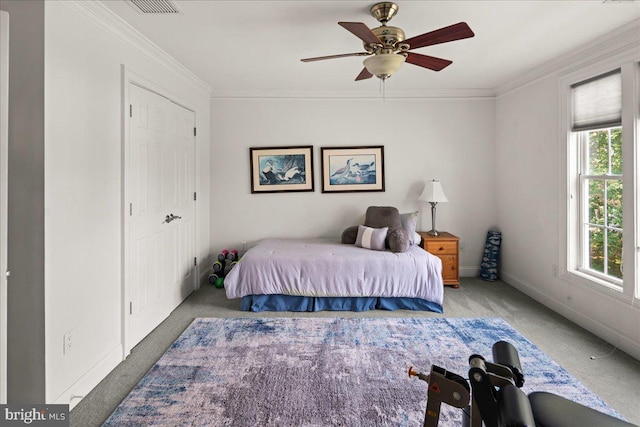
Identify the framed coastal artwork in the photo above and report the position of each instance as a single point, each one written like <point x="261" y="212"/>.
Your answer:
<point x="350" y="169"/>
<point x="281" y="169"/>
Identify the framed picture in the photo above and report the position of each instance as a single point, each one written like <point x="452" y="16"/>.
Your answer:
<point x="279" y="169"/>
<point x="348" y="169"/>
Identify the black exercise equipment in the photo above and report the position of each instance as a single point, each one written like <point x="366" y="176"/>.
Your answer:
<point x="492" y="396"/>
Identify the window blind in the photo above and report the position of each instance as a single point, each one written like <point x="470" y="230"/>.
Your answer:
<point x="597" y="102"/>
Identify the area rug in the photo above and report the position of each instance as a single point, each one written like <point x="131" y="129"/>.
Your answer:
<point x="323" y="372"/>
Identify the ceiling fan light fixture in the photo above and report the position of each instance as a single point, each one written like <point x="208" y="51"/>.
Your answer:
<point x="383" y="65"/>
<point x="390" y="48"/>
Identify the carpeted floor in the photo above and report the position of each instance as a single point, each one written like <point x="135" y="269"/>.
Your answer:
<point x="323" y="371"/>
<point x="613" y="376"/>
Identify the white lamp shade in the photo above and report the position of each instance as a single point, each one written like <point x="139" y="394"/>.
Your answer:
<point x="433" y="193"/>
<point x="384" y="64"/>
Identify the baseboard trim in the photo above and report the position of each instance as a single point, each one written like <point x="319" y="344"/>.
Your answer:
<point x="599" y="329"/>
<point x="79" y="389"/>
<point x="203" y="279"/>
<point x="469" y="271"/>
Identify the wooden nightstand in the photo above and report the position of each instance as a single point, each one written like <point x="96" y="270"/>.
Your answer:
<point x="445" y="247"/>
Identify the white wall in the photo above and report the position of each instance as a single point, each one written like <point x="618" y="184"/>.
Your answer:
<point x="83" y="187"/>
<point x="424" y="139"/>
<point x="529" y="188"/>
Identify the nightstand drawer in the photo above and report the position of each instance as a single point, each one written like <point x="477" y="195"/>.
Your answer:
<point x="441" y="248"/>
<point x="449" y="269"/>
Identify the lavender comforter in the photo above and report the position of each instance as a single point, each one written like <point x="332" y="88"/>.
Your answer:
<point x="327" y="268"/>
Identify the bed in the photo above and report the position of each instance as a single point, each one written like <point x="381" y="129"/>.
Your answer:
<point x="323" y="274"/>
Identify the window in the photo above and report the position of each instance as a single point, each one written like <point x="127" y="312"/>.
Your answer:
<point x="602" y="210"/>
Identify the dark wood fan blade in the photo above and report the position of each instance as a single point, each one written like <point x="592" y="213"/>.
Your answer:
<point x="361" y="31"/>
<point x="343" y="55"/>
<point x="430" y="62"/>
<point x="446" y="34"/>
<point x="364" y="74"/>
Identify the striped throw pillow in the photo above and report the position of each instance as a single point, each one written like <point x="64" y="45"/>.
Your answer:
<point x="371" y="238"/>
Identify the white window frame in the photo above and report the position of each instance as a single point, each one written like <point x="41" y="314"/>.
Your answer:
<point x="581" y="140"/>
<point x="570" y="224"/>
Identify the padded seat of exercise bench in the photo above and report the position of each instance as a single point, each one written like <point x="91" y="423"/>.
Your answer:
<point x="550" y="410"/>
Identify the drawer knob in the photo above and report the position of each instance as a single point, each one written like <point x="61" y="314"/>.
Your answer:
<point x="441" y="248"/>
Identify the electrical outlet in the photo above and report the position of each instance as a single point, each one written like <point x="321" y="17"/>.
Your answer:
<point x="461" y="247"/>
<point x="554" y="270"/>
<point x="244" y="246"/>
<point x="68" y="342"/>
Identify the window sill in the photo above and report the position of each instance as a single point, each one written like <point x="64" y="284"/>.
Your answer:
<point x="615" y="291"/>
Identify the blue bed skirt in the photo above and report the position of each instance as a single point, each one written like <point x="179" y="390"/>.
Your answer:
<point x="299" y="303"/>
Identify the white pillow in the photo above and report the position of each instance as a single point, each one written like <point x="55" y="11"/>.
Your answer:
<point x="371" y="238"/>
<point x="416" y="239"/>
<point x="409" y="222"/>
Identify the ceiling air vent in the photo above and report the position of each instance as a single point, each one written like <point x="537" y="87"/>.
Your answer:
<point x="156" y="7"/>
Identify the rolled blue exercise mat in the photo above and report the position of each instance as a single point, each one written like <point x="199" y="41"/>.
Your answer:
<point x="489" y="264"/>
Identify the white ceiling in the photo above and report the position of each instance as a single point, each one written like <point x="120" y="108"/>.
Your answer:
<point x="253" y="48"/>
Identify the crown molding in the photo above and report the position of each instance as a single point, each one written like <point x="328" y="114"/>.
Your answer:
<point x="623" y="40"/>
<point x="461" y="94"/>
<point x="102" y="17"/>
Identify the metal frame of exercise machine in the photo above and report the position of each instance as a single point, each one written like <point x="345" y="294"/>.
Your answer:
<point x="492" y="395"/>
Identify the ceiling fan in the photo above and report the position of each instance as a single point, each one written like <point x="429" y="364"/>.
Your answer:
<point x="387" y="48"/>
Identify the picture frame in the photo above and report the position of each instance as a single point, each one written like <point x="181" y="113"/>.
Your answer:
<point x="352" y="169"/>
<point x="281" y="169"/>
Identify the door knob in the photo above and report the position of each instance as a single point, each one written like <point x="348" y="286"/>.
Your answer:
<point x="171" y="217"/>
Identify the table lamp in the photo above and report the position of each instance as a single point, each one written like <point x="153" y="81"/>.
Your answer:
<point x="433" y="194"/>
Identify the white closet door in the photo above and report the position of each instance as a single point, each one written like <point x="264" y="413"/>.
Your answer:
<point x="161" y="271"/>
